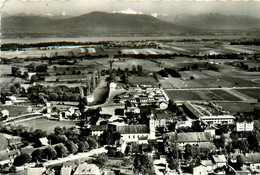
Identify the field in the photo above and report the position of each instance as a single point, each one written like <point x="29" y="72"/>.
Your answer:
<point x="15" y="110"/>
<point x="254" y="93"/>
<point x="208" y="95"/>
<point x="142" y="80"/>
<point x="238" y="106"/>
<point x="47" y="125"/>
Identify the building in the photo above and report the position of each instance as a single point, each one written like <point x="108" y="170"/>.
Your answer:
<point x="183" y="124"/>
<point x="208" y="112"/>
<point x="97" y="130"/>
<point x="251" y="161"/>
<point x="218" y="119"/>
<point x="132" y="133"/>
<point x="192" y="138"/>
<point x="87" y="169"/>
<point x="208" y="164"/>
<point x="4" y="113"/>
<point x="219" y="161"/>
<point x="200" y="170"/>
<point x="245" y="124"/>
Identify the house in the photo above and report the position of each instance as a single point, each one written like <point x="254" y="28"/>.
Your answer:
<point x="245" y="124"/>
<point x="87" y="169"/>
<point x="65" y="171"/>
<point x="208" y="164"/>
<point x="97" y="130"/>
<point x="210" y="130"/>
<point x="44" y="141"/>
<point x="251" y="161"/>
<point x="200" y="170"/>
<point x="132" y="133"/>
<point x="219" y="160"/>
<point x="183" y="124"/>
<point x="192" y="138"/>
<point x="4" y="113"/>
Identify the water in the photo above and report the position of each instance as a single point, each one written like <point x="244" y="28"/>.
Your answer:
<point x="96" y="39"/>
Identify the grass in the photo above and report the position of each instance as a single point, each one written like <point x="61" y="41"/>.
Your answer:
<point x="47" y="125"/>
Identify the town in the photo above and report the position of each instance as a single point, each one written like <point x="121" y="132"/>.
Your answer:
<point x="144" y="108"/>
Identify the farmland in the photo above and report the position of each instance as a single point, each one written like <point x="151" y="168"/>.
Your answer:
<point x="200" y="95"/>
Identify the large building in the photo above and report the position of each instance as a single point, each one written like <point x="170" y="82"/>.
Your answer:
<point x="192" y="138"/>
<point x="208" y="112"/>
<point x="245" y="124"/>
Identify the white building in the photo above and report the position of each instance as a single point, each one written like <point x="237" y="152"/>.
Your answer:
<point x="245" y="124"/>
<point x="218" y="119"/>
<point x="87" y="169"/>
<point x="219" y="160"/>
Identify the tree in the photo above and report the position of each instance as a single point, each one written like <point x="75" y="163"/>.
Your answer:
<point x="173" y="163"/>
<point x="61" y="150"/>
<point x="22" y="159"/>
<point x="36" y="155"/>
<point x="16" y="71"/>
<point x="253" y="142"/>
<point x="140" y="69"/>
<point x="49" y="153"/>
<point x="12" y="169"/>
<point x="58" y="130"/>
<point x="72" y="147"/>
<point x="143" y="165"/>
<point x="83" y="146"/>
<point x="93" y="144"/>
<point x="102" y="159"/>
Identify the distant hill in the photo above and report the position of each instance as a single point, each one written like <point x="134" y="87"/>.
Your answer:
<point x="91" y="24"/>
<point x="214" y="21"/>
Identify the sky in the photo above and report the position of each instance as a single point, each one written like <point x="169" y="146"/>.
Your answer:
<point x="167" y="7"/>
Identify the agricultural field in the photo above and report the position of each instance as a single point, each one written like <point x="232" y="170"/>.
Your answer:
<point x="47" y="125"/>
<point x="142" y="80"/>
<point x="235" y="107"/>
<point x="254" y="93"/>
<point x="207" y="95"/>
<point x="15" y="110"/>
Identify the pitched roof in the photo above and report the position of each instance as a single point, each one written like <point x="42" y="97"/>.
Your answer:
<point x="191" y="137"/>
<point x="251" y="158"/>
<point x="207" y="163"/>
<point x="246" y="119"/>
<point x="98" y="127"/>
<point x="219" y="158"/>
<point x="132" y="129"/>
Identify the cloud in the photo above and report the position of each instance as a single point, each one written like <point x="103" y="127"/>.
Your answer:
<point x="129" y="11"/>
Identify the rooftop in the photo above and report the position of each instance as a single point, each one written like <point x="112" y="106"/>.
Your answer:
<point x="132" y="129"/>
<point x="99" y="127"/>
<point x="191" y="137"/>
<point x="246" y="119"/>
<point x="219" y="158"/>
<point x="251" y="158"/>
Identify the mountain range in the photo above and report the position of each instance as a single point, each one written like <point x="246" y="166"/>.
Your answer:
<point x="103" y="23"/>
